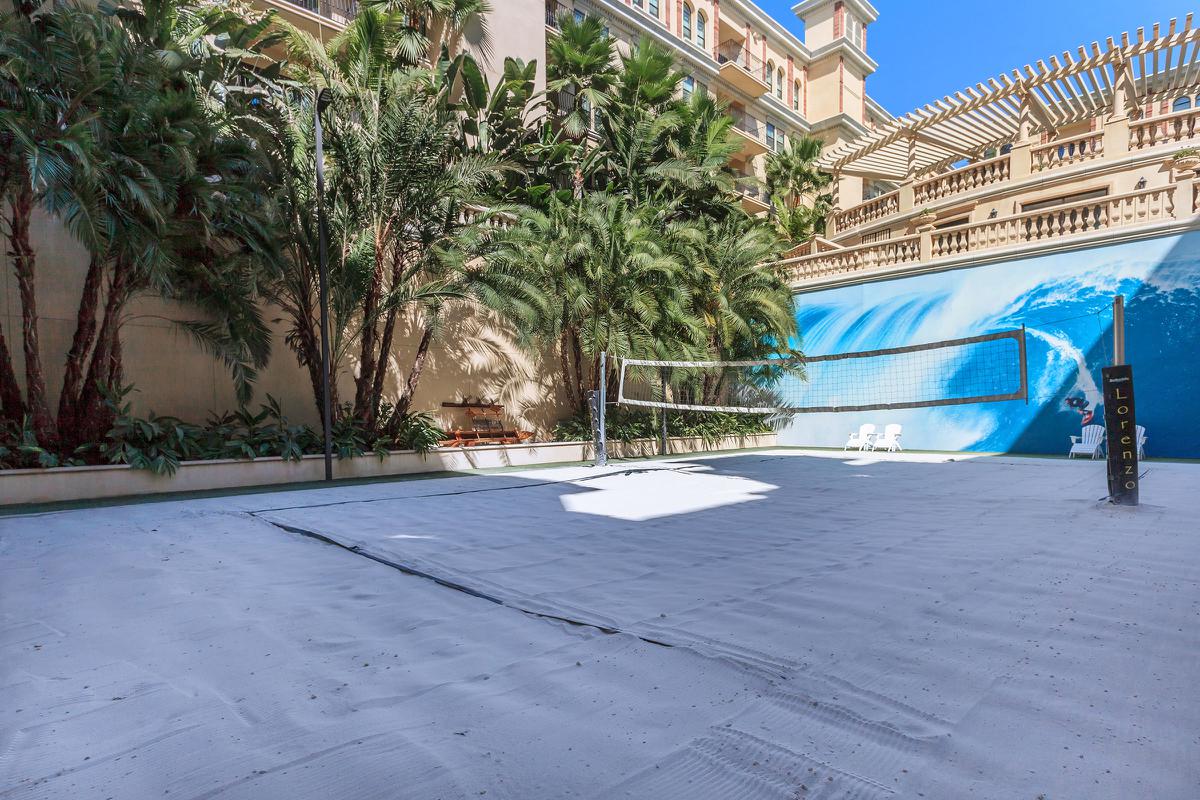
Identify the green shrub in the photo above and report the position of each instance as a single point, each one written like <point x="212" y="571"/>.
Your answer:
<point x="160" y="443"/>
<point x="627" y="424"/>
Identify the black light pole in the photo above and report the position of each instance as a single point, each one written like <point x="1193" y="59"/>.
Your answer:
<point x="324" y="98"/>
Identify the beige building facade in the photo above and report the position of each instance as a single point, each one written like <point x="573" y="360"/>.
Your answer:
<point x="776" y="85"/>
<point x="1093" y="145"/>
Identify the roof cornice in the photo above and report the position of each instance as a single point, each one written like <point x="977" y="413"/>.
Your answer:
<point x="865" y="10"/>
<point x="767" y="21"/>
<point x="844" y="47"/>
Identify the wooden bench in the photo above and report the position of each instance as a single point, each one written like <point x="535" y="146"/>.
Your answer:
<point x="487" y="427"/>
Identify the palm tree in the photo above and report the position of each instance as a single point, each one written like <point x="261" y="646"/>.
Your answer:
<point x="797" y="187"/>
<point x="107" y="128"/>
<point x="613" y="282"/>
<point x="580" y="78"/>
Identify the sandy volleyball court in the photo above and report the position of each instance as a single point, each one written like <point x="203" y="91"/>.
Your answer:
<point x="761" y="625"/>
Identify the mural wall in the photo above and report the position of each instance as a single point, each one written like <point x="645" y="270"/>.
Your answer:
<point x="1065" y="302"/>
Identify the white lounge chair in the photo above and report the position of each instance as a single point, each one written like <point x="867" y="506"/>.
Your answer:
<point x="1088" y="443"/>
<point x="890" y="440"/>
<point x="863" y="440"/>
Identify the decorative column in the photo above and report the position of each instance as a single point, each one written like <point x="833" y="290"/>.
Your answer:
<point x="791" y="83"/>
<point x="804" y="92"/>
<point x="1020" y="158"/>
<point x="1116" y="124"/>
<point x="907" y="197"/>
<point x="716" y="30"/>
<point x="679" y="18"/>
<point x="841" y="84"/>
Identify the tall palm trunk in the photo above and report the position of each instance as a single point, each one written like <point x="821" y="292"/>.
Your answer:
<point x="93" y="420"/>
<point x="577" y="357"/>
<point x="12" y="407"/>
<point x="385" y="348"/>
<point x="414" y="374"/>
<point x="368" y="358"/>
<point x="564" y="347"/>
<point x="24" y="265"/>
<point x="81" y="344"/>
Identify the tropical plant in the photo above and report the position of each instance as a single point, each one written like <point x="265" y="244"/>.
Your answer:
<point x="119" y="131"/>
<point x="797" y="188"/>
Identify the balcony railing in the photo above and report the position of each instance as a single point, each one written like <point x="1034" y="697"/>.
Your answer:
<point x="964" y="179"/>
<point x="864" y="258"/>
<point x="734" y="53"/>
<point x="1066" y="152"/>
<point x="750" y="187"/>
<point x="340" y="10"/>
<point x="1141" y="207"/>
<point x="1178" y="127"/>
<point x="747" y="124"/>
<point x="876" y="208"/>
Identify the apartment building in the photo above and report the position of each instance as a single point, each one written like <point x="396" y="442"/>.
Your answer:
<point x="1090" y="146"/>
<point x="776" y="85"/>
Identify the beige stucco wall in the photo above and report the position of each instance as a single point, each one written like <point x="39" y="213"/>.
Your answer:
<point x="477" y="354"/>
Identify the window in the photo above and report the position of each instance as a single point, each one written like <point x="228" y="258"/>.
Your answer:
<point x="771" y="137"/>
<point x="701" y="24"/>
<point x="689" y="86"/>
<point x="654" y="8"/>
<point x="579" y="15"/>
<point x="1181" y="104"/>
<point x="637" y="3"/>
<point x="854" y="29"/>
<point x="687" y="22"/>
<point x="779" y="84"/>
<point x="795" y="95"/>
<point x="770" y="75"/>
<point x="1038" y="205"/>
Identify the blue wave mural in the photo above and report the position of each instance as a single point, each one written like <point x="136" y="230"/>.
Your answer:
<point x="1064" y="300"/>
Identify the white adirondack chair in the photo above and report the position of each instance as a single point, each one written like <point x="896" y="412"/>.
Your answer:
<point x="890" y="440"/>
<point x="1088" y="443"/>
<point x="863" y="439"/>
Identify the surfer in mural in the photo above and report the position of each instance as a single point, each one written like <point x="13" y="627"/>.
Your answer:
<point x="1082" y="406"/>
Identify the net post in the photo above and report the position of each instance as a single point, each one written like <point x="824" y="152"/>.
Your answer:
<point x="1024" y="365"/>
<point x="664" y="374"/>
<point x="601" y="403"/>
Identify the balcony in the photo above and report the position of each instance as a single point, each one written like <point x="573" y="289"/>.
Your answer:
<point x="741" y="69"/>
<point x="318" y="17"/>
<point x="753" y="196"/>
<point x="1094" y="218"/>
<point x="749" y="132"/>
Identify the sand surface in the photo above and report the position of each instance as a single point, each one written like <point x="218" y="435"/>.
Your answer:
<point x="763" y="625"/>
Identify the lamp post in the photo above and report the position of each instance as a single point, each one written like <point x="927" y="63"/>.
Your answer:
<point x="324" y="98"/>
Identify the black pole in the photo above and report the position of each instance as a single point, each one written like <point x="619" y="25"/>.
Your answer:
<point x="324" y="97"/>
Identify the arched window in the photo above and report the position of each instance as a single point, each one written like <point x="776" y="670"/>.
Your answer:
<point x="701" y="24"/>
<point x="687" y="22"/>
<point x="1181" y="104"/>
<point x="779" y="83"/>
<point x="795" y="95"/>
<point x="770" y="75"/>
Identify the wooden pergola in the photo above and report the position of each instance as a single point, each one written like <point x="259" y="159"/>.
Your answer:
<point x="1117" y="79"/>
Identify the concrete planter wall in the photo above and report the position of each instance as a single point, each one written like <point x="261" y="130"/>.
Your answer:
<point x="20" y="486"/>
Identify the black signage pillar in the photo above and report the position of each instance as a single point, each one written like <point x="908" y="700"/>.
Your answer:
<point x="1121" y="433"/>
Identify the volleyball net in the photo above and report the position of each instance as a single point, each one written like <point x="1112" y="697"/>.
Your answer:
<point x="976" y="369"/>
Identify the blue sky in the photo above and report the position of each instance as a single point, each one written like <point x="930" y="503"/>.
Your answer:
<point x="927" y="49"/>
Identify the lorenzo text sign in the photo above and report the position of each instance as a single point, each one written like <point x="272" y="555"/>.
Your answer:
<point x="1121" y="433"/>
